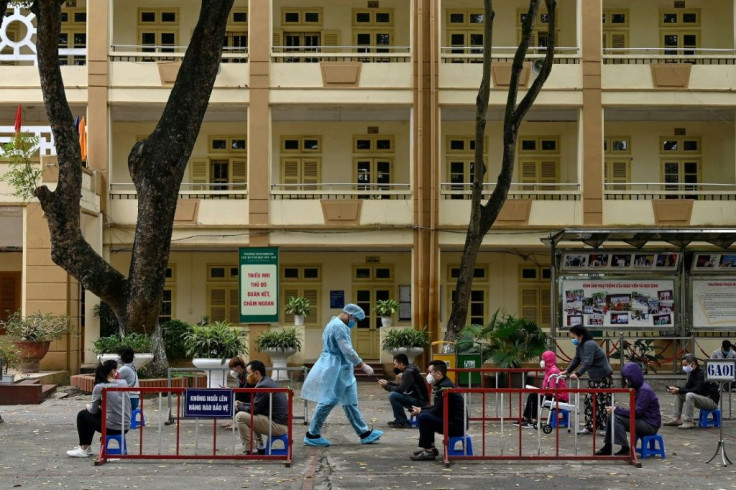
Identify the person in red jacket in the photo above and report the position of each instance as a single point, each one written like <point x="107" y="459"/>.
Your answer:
<point x="549" y="364"/>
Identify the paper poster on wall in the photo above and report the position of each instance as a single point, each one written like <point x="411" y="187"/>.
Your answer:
<point x="618" y="303"/>
<point x="259" y="284"/>
<point x="714" y="302"/>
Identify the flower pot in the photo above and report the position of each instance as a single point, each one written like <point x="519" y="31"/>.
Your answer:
<point x="278" y="363"/>
<point x="139" y="360"/>
<point x="411" y="352"/>
<point x="216" y="370"/>
<point x="386" y="321"/>
<point x="108" y="356"/>
<point x="32" y="353"/>
<point x="298" y="320"/>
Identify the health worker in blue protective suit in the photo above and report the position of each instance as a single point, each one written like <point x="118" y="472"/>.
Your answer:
<point x="331" y="381"/>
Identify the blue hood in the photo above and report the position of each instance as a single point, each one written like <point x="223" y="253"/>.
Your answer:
<point x="633" y="371"/>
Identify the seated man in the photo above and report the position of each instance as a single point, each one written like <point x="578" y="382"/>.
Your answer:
<point x="646" y="413"/>
<point x="257" y="415"/>
<point x="430" y="419"/>
<point x="410" y="391"/>
<point x="697" y="393"/>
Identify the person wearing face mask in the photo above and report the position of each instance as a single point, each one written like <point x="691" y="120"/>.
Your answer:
<point x="242" y="400"/>
<point x="696" y="393"/>
<point x="430" y="419"/>
<point x="646" y="413"/>
<point x="592" y="359"/>
<point x="410" y="391"/>
<point x="549" y="364"/>
<point x="263" y="404"/>
<point x="331" y="381"/>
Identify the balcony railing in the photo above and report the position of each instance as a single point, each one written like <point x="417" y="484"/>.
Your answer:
<point x="536" y="191"/>
<point x="188" y="190"/>
<point x="649" y="56"/>
<point x="365" y="54"/>
<point x="505" y="54"/>
<point x="634" y="191"/>
<point x="138" y="52"/>
<point x="341" y="191"/>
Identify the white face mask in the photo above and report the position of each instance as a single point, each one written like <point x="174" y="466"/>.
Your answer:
<point x="541" y="364"/>
<point x="430" y="378"/>
<point x="687" y="369"/>
<point x="234" y="374"/>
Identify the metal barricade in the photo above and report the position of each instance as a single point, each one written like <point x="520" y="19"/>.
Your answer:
<point x="174" y="444"/>
<point x="486" y="436"/>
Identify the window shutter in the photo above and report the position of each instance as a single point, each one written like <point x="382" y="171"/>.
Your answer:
<point x="198" y="169"/>
<point x="286" y="293"/>
<point x="619" y="171"/>
<point x="528" y="172"/>
<point x="548" y="172"/>
<point x="290" y="171"/>
<point x="238" y="172"/>
<point x="276" y="41"/>
<point x="312" y="294"/>
<point x="218" y="304"/>
<point x="619" y="40"/>
<point x="310" y="171"/>
<point x="330" y="38"/>
<point x="234" y="305"/>
<point x="545" y="313"/>
<point x="530" y="303"/>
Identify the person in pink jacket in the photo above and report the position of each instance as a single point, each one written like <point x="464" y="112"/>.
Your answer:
<point x="549" y="364"/>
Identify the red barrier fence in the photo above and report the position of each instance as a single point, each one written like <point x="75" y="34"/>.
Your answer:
<point x="560" y="439"/>
<point x="172" y="442"/>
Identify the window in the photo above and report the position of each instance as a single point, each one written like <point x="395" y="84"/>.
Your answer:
<point x="534" y="294"/>
<point x="373" y="30"/>
<point x="226" y="167"/>
<point x="158" y="30"/>
<point x="679" y="31"/>
<point x="223" y="301"/>
<point x="465" y="32"/>
<point x="616" y="30"/>
<point x="301" y="162"/>
<point x="460" y="164"/>
<point x="73" y="34"/>
<point x="236" y="35"/>
<point x="539" y="31"/>
<point x="539" y="162"/>
<point x="372" y="282"/>
<point x="680" y="164"/>
<point x="373" y="157"/>
<point x="303" y="280"/>
<point x="478" y="296"/>
<point x="302" y="33"/>
<point x="167" y="304"/>
<point x="617" y="159"/>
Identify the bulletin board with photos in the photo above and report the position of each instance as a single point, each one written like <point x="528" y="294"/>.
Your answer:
<point x="619" y="260"/>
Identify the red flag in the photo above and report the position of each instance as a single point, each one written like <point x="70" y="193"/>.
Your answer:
<point x="83" y="139"/>
<point x="18" y="114"/>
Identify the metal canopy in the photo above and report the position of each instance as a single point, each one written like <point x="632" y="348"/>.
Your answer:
<point x="639" y="237"/>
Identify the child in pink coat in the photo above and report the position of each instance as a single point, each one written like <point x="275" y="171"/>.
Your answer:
<point x="549" y="364"/>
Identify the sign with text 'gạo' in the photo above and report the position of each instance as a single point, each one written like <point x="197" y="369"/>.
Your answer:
<point x="720" y="369"/>
<point x="208" y="403"/>
<point x="259" y="285"/>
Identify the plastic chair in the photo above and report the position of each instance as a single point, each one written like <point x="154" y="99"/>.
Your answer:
<point x="413" y="421"/>
<point x="137" y="419"/>
<point x="707" y="421"/>
<point x="277" y="451"/>
<point x="466" y="444"/>
<point x="120" y="448"/>
<point x="648" y="446"/>
<point x="561" y="420"/>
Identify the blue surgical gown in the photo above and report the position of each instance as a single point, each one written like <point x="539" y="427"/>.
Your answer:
<point x="331" y="381"/>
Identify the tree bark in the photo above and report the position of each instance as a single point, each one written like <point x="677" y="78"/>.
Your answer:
<point x="482" y="216"/>
<point x="156" y="165"/>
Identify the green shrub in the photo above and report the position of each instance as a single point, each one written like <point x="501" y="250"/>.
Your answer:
<point x="283" y="339"/>
<point x="137" y="341"/>
<point x="216" y="341"/>
<point x="108" y="320"/>
<point x="174" y="332"/>
<point x="405" y="337"/>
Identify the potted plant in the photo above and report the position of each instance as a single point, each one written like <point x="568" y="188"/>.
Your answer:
<point x="299" y="307"/>
<point x="211" y="347"/>
<point x="385" y="308"/>
<point x="107" y="348"/>
<point x="409" y="341"/>
<point x="279" y="345"/>
<point x="33" y="335"/>
<point x="9" y="357"/>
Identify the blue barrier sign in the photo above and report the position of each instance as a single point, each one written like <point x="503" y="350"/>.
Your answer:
<point x="208" y="403"/>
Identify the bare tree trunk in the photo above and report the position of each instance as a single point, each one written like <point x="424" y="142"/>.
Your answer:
<point x="156" y="165"/>
<point x="482" y="216"/>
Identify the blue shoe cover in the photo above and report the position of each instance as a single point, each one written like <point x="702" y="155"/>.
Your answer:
<point x="373" y="437"/>
<point x="321" y="441"/>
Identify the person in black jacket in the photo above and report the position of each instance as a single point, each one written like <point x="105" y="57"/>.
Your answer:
<point x="430" y="419"/>
<point x="697" y="393"/>
<point x="410" y="391"/>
